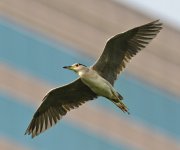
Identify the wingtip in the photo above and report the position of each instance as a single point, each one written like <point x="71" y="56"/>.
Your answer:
<point x="29" y="133"/>
<point x="26" y="132"/>
<point x="157" y="22"/>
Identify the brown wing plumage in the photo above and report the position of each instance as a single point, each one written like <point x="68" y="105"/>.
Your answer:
<point x="57" y="103"/>
<point x="122" y="47"/>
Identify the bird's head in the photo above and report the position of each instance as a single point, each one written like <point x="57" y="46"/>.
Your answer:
<point x="77" y="67"/>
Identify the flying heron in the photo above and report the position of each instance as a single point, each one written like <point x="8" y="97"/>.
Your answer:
<point x="94" y="81"/>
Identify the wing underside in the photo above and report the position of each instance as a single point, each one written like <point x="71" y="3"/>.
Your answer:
<point x="122" y="47"/>
<point x="57" y="103"/>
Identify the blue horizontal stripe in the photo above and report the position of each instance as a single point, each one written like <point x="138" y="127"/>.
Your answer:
<point x="43" y="60"/>
<point x="15" y="117"/>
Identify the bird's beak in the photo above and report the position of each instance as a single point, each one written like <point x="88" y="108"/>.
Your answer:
<point x="68" y="67"/>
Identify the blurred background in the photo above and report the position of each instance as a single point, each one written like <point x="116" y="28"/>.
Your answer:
<point x="39" y="37"/>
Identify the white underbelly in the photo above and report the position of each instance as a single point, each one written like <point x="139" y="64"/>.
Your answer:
<point x="99" y="86"/>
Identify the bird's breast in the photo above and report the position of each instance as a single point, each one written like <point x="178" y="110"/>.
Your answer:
<point x="98" y="85"/>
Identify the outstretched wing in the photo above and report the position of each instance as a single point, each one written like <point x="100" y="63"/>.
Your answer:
<point x="122" y="47"/>
<point x="56" y="104"/>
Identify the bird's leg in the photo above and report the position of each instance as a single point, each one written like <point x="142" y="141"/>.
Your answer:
<point x="120" y="104"/>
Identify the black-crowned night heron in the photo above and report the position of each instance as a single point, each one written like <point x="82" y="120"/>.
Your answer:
<point x="94" y="81"/>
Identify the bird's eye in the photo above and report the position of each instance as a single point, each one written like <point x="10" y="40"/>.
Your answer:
<point x="77" y="65"/>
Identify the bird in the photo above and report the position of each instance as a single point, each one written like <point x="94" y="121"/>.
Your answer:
<point x="94" y="81"/>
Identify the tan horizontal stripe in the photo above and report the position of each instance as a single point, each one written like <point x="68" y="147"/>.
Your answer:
<point x="7" y="144"/>
<point x="22" y="86"/>
<point x="97" y="120"/>
<point x="165" y="74"/>
<point x="87" y="25"/>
